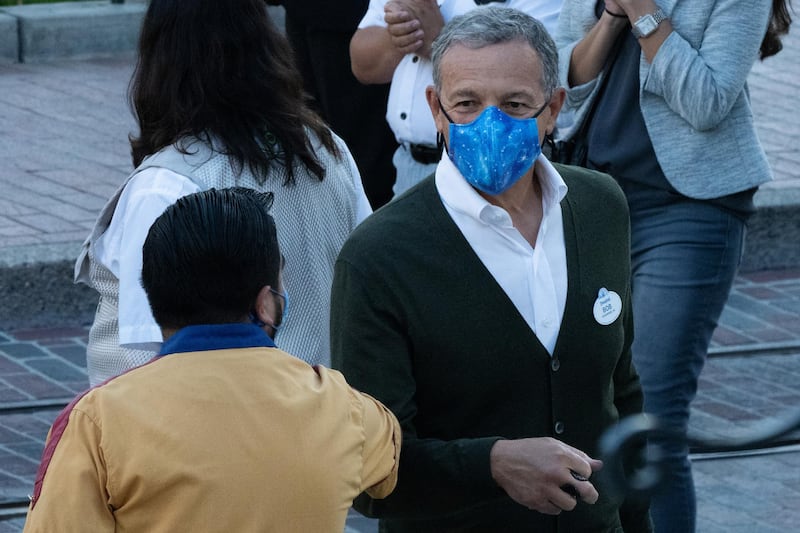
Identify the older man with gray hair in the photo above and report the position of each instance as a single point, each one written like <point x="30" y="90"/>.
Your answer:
<point x="489" y="308"/>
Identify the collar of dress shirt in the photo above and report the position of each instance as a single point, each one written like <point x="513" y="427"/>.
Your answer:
<point x="461" y="197"/>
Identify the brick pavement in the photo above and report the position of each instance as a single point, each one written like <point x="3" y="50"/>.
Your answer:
<point x="745" y="494"/>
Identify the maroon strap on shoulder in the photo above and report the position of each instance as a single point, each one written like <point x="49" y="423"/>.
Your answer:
<point x="56" y="433"/>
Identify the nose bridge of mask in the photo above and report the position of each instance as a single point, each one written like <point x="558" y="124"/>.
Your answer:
<point x="494" y="123"/>
<point x="499" y="125"/>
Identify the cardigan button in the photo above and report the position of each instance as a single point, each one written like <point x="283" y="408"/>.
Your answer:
<point x="555" y="364"/>
<point x="559" y="427"/>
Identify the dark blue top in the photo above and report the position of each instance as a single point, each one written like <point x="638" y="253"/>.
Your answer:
<point x="619" y="143"/>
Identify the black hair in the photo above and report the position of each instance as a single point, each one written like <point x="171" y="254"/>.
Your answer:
<point x="779" y="23"/>
<point x="220" y="70"/>
<point x="208" y="255"/>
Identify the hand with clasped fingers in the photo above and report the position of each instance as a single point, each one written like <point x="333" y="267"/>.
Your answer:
<point x="413" y="25"/>
<point x="544" y="474"/>
<point x="613" y="7"/>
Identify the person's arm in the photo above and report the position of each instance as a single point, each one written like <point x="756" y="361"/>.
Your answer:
<point x="381" y="452"/>
<point x="634" y="513"/>
<point x="590" y="55"/>
<point x="373" y="57"/>
<point x="426" y="13"/>
<point x="582" y="80"/>
<point x="533" y="471"/>
<point x="369" y="346"/>
<point x="635" y="9"/>
<point x="377" y="48"/>
<point x="71" y="494"/>
<point x="701" y="82"/>
<point x="410" y="27"/>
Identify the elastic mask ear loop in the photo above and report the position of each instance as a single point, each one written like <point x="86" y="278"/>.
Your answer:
<point x="440" y="143"/>
<point x="285" y="313"/>
<point x="255" y="320"/>
<point x="440" y="140"/>
<point x="443" y="111"/>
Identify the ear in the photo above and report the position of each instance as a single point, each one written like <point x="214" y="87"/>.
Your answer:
<point x="438" y="117"/>
<point x="264" y="306"/>
<point x="555" y="105"/>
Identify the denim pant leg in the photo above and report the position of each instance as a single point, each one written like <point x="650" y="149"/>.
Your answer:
<point x="684" y="259"/>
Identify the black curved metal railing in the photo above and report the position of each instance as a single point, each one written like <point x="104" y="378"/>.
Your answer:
<point x="632" y="459"/>
<point x="632" y="456"/>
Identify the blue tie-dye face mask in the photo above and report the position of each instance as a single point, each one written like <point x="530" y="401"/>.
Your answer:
<point x="495" y="150"/>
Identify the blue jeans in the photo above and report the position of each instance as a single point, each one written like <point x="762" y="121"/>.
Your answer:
<point x="684" y="259"/>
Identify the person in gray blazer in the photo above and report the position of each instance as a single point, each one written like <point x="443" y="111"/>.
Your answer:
<point x="663" y="85"/>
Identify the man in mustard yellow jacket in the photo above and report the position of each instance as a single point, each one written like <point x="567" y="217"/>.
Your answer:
<point x="222" y="431"/>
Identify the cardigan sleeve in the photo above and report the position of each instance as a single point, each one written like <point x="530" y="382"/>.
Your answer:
<point x="370" y="348"/>
<point x="634" y="513"/>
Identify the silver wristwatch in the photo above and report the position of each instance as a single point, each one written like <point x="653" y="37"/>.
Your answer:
<point x="647" y="24"/>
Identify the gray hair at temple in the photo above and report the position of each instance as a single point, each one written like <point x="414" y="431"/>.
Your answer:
<point x="484" y="26"/>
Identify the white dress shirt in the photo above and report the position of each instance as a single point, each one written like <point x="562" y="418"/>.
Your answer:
<point x="407" y="111"/>
<point x="119" y="249"/>
<point x="534" y="278"/>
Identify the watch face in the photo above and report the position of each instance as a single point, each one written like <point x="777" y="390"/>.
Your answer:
<point x="646" y="25"/>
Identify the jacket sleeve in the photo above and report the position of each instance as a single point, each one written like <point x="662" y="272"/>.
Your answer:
<point x="369" y="346"/>
<point x="72" y="496"/>
<point x="381" y="453"/>
<point x="701" y="83"/>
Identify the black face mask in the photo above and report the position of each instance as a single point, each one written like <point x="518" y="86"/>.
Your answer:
<point x="484" y="2"/>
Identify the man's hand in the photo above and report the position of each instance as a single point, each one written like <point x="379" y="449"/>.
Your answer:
<point x="543" y="474"/>
<point x="403" y="26"/>
<point x="399" y="17"/>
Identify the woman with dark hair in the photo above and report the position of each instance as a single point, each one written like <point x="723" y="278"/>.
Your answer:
<point x="665" y="85"/>
<point x="219" y="104"/>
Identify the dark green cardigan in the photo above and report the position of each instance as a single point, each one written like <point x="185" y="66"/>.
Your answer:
<point x="418" y="322"/>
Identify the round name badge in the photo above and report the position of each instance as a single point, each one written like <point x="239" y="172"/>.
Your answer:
<point x="607" y="307"/>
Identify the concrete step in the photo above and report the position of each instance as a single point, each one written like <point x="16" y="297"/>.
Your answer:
<point x="87" y="29"/>
<point x="48" y="32"/>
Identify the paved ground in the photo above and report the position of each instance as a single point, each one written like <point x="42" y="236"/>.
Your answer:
<point x="63" y="150"/>
<point x="750" y="494"/>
